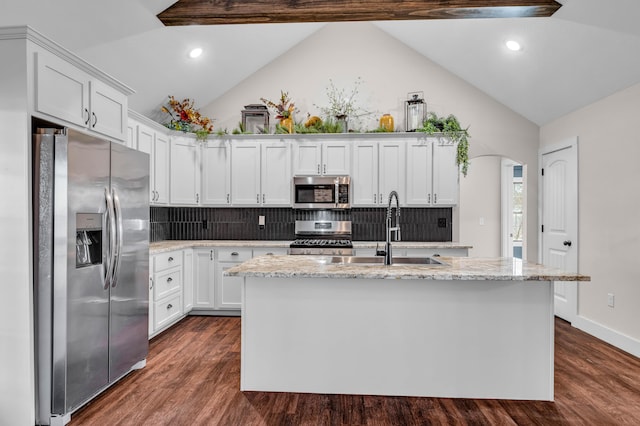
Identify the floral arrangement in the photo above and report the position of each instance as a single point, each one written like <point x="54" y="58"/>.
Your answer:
<point x="284" y="109"/>
<point x="186" y="118"/>
<point x="342" y="105"/>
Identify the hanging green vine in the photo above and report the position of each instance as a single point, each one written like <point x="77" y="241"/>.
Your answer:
<point x="450" y="127"/>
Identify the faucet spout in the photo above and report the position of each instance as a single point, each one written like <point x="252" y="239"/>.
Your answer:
<point x="392" y="229"/>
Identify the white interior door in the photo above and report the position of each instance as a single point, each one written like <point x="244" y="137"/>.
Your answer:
<point x="559" y="230"/>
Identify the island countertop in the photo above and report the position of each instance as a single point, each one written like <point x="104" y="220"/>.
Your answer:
<point x="454" y="268"/>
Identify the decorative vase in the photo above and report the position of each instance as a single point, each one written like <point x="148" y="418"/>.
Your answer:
<point x="386" y="122"/>
<point x="287" y="123"/>
<point x="341" y="120"/>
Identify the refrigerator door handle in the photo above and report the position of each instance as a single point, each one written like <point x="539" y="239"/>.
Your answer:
<point x="111" y="222"/>
<point x="118" y="252"/>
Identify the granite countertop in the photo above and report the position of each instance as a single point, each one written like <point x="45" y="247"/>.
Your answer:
<point x="456" y="268"/>
<point x="169" y="245"/>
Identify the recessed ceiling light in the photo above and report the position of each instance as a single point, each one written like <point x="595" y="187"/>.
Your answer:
<point x="513" y="45"/>
<point x="195" y="52"/>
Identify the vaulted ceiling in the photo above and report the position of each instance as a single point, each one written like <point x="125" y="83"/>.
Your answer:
<point x="587" y="50"/>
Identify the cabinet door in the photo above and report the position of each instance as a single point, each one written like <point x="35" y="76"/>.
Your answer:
<point x="419" y="173"/>
<point x="216" y="174"/>
<point x="184" y="171"/>
<point x="307" y="158"/>
<point x="364" y="179"/>
<point x="336" y="158"/>
<point x="445" y="173"/>
<point x="245" y="174"/>
<point x="62" y="90"/>
<point x="108" y="110"/>
<point x="203" y="279"/>
<point x="187" y="281"/>
<point x="145" y="140"/>
<point x="391" y="170"/>
<point x="276" y="174"/>
<point x="161" y="168"/>
<point x="229" y="294"/>
<point x="132" y="137"/>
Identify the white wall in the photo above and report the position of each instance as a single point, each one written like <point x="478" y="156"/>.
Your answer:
<point x="16" y="314"/>
<point x="609" y="207"/>
<point x="389" y="70"/>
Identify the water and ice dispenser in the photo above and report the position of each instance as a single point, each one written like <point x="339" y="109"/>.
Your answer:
<point x="88" y="239"/>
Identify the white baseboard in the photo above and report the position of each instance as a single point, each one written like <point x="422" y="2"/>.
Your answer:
<point x="615" y="338"/>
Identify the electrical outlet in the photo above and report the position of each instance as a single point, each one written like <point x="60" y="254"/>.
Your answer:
<point x="610" y="300"/>
<point x="261" y="221"/>
<point x="481" y="221"/>
<point x="442" y="222"/>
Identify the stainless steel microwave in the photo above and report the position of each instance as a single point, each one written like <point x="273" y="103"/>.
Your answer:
<point x="321" y="192"/>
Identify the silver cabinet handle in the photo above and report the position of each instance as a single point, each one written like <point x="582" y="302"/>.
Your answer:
<point x="150" y="283"/>
<point x="380" y="198"/>
<point x="269" y="254"/>
<point x="375" y="198"/>
<point x="197" y="198"/>
<point x="95" y="119"/>
<point x="88" y="117"/>
<point x="169" y="306"/>
<point x="211" y="254"/>
<point x="235" y="253"/>
<point x="169" y="279"/>
<point x="318" y="168"/>
<point x="227" y="198"/>
<point x="435" y="198"/>
<point x="263" y="199"/>
<point x="428" y="198"/>
<point x="170" y="259"/>
<point x="258" y="198"/>
<point x="324" y="169"/>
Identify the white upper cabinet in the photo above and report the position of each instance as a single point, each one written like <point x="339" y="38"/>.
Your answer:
<point x="378" y="169"/>
<point x="446" y="173"/>
<point x="321" y="158"/>
<point x="245" y="174"/>
<point x="432" y="173"/>
<point x="419" y="172"/>
<point x="184" y="171"/>
<point x="260" y="174"/>
<point x="68" y="93"/>
<point x="276" y="179"/>
<point x="155" y="144"/>
<point x="216" y="173"/>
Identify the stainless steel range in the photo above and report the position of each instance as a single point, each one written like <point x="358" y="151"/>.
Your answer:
<point x="322" y="237"/>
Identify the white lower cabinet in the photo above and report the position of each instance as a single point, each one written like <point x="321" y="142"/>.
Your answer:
<point x="203" y="279"/>
<point x="187" y="280"/>
<point x="165" y="291"/>
<point x="228" y="289"/>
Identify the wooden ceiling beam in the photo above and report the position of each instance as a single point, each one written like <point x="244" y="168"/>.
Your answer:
<point x="218" y="12"/>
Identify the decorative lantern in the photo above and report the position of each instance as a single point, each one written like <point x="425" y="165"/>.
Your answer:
<point x="415" y="111"/>
<point x="255" y="118"/>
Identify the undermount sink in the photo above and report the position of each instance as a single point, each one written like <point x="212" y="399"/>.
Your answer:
<point x="379" y="260"/>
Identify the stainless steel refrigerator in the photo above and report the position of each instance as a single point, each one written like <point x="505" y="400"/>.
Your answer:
<point x="91" y="259"/>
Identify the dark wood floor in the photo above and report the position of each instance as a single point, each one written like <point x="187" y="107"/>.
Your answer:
<point x="193" y="378"/>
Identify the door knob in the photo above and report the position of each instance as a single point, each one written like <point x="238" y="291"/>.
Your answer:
<point x="567" y="243"/>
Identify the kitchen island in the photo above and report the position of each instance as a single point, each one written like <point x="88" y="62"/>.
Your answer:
<point x="471" y="328"/>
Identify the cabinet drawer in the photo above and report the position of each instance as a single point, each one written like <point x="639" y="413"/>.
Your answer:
<point x="234" y="255"/>
<point x="275" y="251"/>
<point x="168" y="311"/>
<point x="167" y="283"/>
<point x="167" y="260"/>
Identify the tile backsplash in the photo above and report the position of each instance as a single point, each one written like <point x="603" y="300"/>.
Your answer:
<point x="202" y="223"/>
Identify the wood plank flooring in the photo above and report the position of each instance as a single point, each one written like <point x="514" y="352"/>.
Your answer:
<point x="193" y="378"/>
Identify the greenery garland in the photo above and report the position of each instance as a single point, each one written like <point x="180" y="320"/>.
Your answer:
<point x="450" y="127"/>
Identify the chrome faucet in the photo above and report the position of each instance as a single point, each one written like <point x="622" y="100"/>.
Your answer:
<point x="395" y="229"/>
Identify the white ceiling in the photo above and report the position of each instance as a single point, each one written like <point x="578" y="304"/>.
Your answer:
<point x="587" y="50"/>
